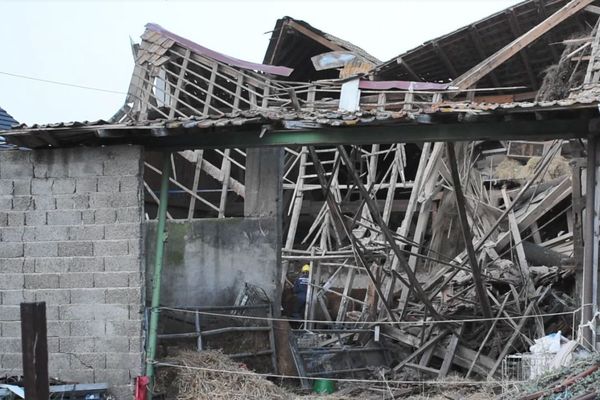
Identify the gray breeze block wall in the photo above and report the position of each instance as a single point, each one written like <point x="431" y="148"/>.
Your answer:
<point x="70" y="226"/>
<point x="208" y="261"/>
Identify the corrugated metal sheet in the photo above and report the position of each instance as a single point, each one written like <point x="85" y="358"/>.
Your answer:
<point x="6" y="121"/>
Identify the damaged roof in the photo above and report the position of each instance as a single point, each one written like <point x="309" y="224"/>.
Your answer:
<point x="6" y="120"/>
<point x="293" y="43"/>
<point x="447" y="57"/>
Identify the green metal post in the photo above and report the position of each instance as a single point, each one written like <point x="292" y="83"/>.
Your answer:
<point x="161" y="238"/>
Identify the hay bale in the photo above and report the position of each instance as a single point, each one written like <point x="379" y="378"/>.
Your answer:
<point x="195" y="384"/>
<point x="508" y="169"/>
<point x="559" y="166"/>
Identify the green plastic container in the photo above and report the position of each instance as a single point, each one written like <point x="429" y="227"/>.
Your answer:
<point x="323" y="386"/>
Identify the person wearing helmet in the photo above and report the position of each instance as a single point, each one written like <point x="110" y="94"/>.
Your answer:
<point x="300" y="289"/>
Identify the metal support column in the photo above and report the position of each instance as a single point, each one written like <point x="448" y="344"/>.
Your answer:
<point x="161" y="238"/>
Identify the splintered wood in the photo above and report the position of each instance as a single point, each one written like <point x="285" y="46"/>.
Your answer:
<point x="455" y="270"/>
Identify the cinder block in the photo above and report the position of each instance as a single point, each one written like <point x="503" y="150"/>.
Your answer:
<point x="123" y="164"/>
<point x="130" y="183"/>
<point x="41" y="249"/>
<point x="87" y="264"/>
<point x="122" y="263"/>
<point x="41" y="186"/>
<point x="29" y="266"/>
<point x="7" y="186"/>
<point x="16" y="297"/>
<point x="53" y="296"/>
<point x="11" y="281"/>
<point x="86" y="232"/>
<point x="76" y="280"/>
<point x="87" y="217"/>
<point x="131" y="328"/>
<point x="11" y="329"/>
<point x="3" y="219"/>
<point x="11" y="265"/>
<point x="35" y="218"/>
<point x="77" y="344"/>
<point x="123" y="296"/>
<point x="22" y="203"/>
<point x="10" y="313"/>
<point x="21" y="169"/>
<point x="108" y="184"/>
<point x="87" y="312"/>
<point x="6" y="202"/>
<point x="123" y="360"/>
<point x="88" y="360"/>
<point x="135" y="279"/>
<point x="20" y="187"/>
<point x="111" y="279"/>
<point x="58" y="328"/>
<point x="135" y="247"/>
<point x="75" y="375"/>
<point x="111" y="248"/>
<point x="51" y="233"/>
<point x="86" y="185"/>
<point x="93" y="167"/>
<point x="14" y="249"/>
<point x="105" y="216"/>
<point x="114" y="376"/>
<point x="112" y="344"/>
<point x="10" y="345"/>
<point x="87" y="296"/>
<point x="12" y="234"/>
<point x="64" y="217"/>
<point x="58" y="361"/>
<point x="50" y="164"/>
<point x="135" y="344"/>
<point x="16" y="218"/>
<point x="123" y="231"/>
<point x="70" y="202"/>
<point x="63" y="186"/>
<point x="41" y="281"/>
<point x="129" y="214"/>
<point x="45" y="265"/>
<point x="75" y="249"/>
<point x="88" y="329"/>
<point x="12" y="361"/>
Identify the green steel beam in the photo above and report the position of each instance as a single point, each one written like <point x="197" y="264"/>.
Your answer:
<point x="187" y="138"/>
<point x="161" y="237"/>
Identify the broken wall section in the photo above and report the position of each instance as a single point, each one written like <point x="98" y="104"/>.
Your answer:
<point x="70" y="225"/>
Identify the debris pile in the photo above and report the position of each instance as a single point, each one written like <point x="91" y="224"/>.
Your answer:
<point x="465" y="275"/>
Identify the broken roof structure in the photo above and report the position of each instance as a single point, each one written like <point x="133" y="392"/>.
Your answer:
<point x="438" y="196"/>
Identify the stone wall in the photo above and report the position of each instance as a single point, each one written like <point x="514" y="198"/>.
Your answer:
<point x="70" y="231"/>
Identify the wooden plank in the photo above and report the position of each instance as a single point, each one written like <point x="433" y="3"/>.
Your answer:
<point x="593" y="9"/>
<point x="471" y="77"/>
<point x="34" y="343"/>
<point x="466" y="233"/>
<point x="180" y="76"/>
<point x="211" y="87"/>
<point x="421" y="349"/>
<point x="317" y="38"/>
<point x="450" y="352"/>
<point x="199" y="156"/>
<point x="225" y="172"/>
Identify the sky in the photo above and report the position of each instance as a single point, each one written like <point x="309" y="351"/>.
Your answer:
<point x="87" y="43"/>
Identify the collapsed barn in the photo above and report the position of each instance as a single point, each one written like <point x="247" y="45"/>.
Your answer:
<point x="440" y="199"/>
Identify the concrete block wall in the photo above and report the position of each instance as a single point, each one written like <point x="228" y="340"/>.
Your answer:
<point x="70" y="235"/>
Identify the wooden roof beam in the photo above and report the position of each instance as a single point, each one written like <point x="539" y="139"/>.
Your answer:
<point x="476" y="40"/>
<point x="593" y="9"/>
<point x="408" y="69"/>
<point x="481" y="70"/>
<point x="515" y="28"/>
<point x="317" y="38"/>
<point x="442" y="55"/>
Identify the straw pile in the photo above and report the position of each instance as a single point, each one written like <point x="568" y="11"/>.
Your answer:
<point x="196" y="384"/>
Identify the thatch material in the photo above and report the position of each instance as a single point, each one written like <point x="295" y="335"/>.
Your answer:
<point x="196" y="384"/>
